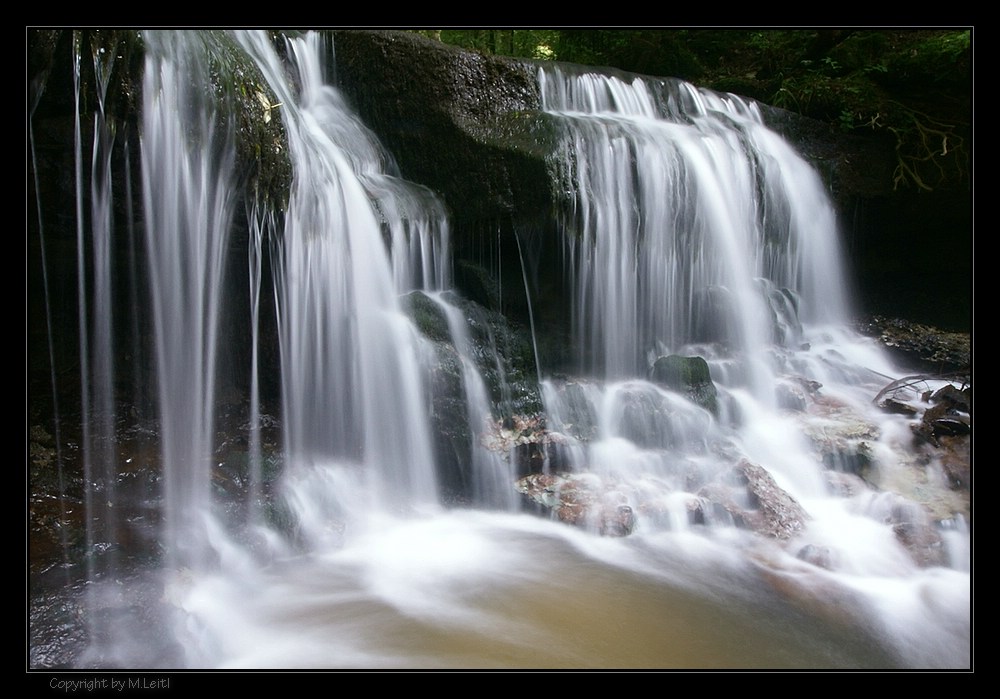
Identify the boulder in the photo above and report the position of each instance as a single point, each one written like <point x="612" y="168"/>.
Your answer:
<point x="688" y="375"/>
<point x="751" y="497"/>
<point x="582" y="500"/>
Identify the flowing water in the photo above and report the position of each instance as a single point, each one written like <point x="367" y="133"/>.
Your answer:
<point x="690" y="230"/>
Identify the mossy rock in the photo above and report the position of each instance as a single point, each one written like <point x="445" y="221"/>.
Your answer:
<point x="688" y="375"/>
<point x="427" y="315"/>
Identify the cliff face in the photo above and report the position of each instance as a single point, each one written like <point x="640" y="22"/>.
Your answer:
<point x="464" y="124"/>
<point x="468" y="126"/>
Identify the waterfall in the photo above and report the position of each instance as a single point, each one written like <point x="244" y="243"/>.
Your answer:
<point x="759" y="513"/>
<point x="350" y="362"/>
<point x="689" y="219"/>
<point x="262" y="227"/>
<point x="36" y="94"/>
<point x="693" y="230"/>
<point x="95" y="284"/>
<point x="188" y="202"/>
<point x="492" y="473"/>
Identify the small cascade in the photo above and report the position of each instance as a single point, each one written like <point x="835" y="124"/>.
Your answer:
<point x="37" y="89"/>
<point x="690" y="220"/>
<point x="693" y="231"/>
<point x="262" y="226"/>
<point x="492" y="472"/>
<point x="95" y="241"/>
<point x="102" y="240"/>
<point x="531" y="311"/>
<point x="350" y="357"/>
<point x="84" y="333"/>
<point x="719" y="388"/>
<point x="189" y="202"/>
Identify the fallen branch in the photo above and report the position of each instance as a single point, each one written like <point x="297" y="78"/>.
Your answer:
<point x="908" y="381"/>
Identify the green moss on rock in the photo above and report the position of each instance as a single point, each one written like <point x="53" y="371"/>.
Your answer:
<point x="688" y="375"/>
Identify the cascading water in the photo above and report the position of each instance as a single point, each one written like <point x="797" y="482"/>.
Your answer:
<point x="350" y="364"/>
<point x="694" y="232"/>
<point x="688" y="214"/>
<point x="696" y="240"/>
<point x="189" y="201"/>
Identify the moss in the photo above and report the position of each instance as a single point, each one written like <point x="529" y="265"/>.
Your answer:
<point x="688" y="375"/>
<point x="476" y="284"/>
<point x="680" y="372"/>
<point x="261" y="141"/>
<point x="235" y="83"/>
<point x="427" y="315"/>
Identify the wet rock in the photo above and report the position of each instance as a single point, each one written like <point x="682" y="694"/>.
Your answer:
<point x="915" y="530"/>
<point x="645" y="418"/>
<point x="504" y="355"/>
<point x="477" y="285"/>
<point x="450" y="422"/>
<point x="896" y="407"/>
<point x="790" y="396"/>
<point x="846" y="485"/>
<point x="463" y="123"/>
<point x="844" y="441"/>
<point x="579" y="418"/>
<point x="924" y="347"/>
<point x="717" y="312"/>
<point x="617" y="521"/>
<point x="945" y="418"/>
<point x="526" y="442"/>
<point x="821" y="556"/>
<point x="501" y="352"/>
<point x="954" y="455"/>
<point x="954" y="398"/>
<point x="797" y="393"/>
<point x="528" y="458"/>
<point x="917" y="534"/>
<point x="41" y="447"/>
<point x="951" y="425"/>
<point x="783" y="307"/>
<point x="427" y="315"/>
<point x="39" y="435"/>
<point x="581" y="500"/>
<point x="912" y="524"/>
<point x="749" y="495"/>
<point x="688" y="375"/>
<point x="941" y="427"/>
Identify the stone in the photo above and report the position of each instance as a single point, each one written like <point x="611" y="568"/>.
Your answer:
<point x="688" y="375"/>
